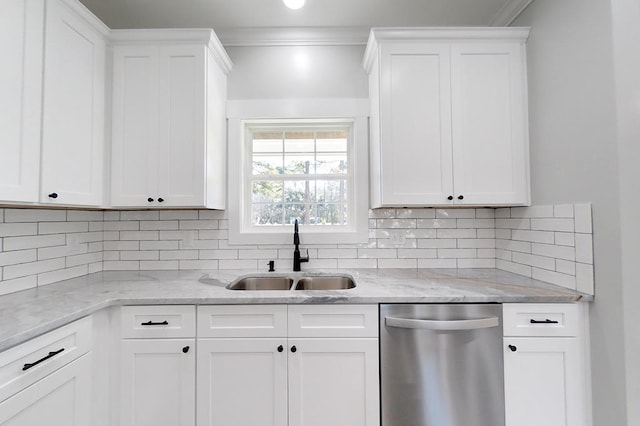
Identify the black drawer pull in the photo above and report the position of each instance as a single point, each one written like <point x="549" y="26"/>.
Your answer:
<point x="513" y="348"/>
<point x="547" y="321"/>
<point x="33" y="364"/>
<point x="155" y="323"/>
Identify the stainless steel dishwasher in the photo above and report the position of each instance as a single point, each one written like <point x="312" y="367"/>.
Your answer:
<point x="441" y="365"/>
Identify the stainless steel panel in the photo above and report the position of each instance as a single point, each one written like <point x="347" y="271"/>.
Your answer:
<point x="441" y="365"/>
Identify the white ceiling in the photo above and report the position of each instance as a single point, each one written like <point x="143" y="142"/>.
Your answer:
<point x="226" y="16"/>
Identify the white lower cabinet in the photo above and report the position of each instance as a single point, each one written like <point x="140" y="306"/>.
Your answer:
<point x="62" y="398"/>
<point x="158" y="382"/>
<point x="157" y="366"/>
<point x="275" y="379"/>
<point x="545" y="364"/>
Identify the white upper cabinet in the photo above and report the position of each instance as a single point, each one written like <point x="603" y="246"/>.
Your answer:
<point x="169" y="129"/>
<point x="74" y="106"/>
<point x="21" y="35"/>
<point x="448" y="117"/>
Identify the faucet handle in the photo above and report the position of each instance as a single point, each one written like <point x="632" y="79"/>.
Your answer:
<point x="306" y="258"/>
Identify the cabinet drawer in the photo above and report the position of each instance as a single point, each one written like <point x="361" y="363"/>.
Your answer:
<point x="242" y="321"/>
<point x="550" y="320"/>
<point x="23" y="365"/>
<point x="333" y="321"/>
<point x="167" y="321"/>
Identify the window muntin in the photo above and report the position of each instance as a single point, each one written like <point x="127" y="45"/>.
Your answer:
<point x="300" y="171"/>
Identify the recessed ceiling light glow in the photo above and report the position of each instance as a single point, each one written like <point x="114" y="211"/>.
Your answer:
<point x="294" y="4"/>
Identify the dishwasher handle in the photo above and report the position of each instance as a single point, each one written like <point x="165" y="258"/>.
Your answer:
<point x="452" y="325"/>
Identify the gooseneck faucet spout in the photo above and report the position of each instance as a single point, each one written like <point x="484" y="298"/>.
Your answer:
<point x="297" y="259"/>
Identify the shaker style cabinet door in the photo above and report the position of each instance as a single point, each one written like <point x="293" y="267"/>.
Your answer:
<point x="489" y="123"/>
<point x="242" y="382"/>
<point x="21" y="35"/>
<point x="415" y="130"/>
<point x="73" y="112"/>
<point x="61" y="398"/>
<point x="157" y="382"/>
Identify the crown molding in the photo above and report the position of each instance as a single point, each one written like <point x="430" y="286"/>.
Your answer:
<point x="294" y="36"/>
<point x="509" y="12"/>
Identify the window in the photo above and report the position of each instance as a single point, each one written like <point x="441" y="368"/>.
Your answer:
<point x="300" y="172"/>
<point x="313" y="170"/>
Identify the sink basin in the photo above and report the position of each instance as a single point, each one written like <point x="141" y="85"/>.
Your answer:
<point x="293" y="282"/>
<point x="261" y="283"/>
<point x="325" y="283"/>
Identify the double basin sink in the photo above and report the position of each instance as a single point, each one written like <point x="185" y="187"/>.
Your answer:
<point x="293" y="282"/>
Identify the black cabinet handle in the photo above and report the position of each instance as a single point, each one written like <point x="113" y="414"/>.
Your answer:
<point x="460" y="197"/>
<point x="280" y="348"/>
<point x="53" y="195"/>
<point x="513" y="348"/>
<point x="293" y="349"/>
<point x="33" y="364"/>
<point x="150" y="200"/>
<point x="547" y="321"/>
<point x="185" y="349"/>
<point x="155" y="323"/>
<point x="450" y="197"/>
<point x="161" y="200"/>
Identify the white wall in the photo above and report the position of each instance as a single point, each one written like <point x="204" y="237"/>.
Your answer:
<point x="280" y="72"/>
<point x="626" y="35"/>
<point x="574" y="158"/>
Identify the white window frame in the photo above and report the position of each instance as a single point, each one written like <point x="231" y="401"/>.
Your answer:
<point x="250" y="112"/>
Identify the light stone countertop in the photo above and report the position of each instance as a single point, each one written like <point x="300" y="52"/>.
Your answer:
<point x="29" y="313"/>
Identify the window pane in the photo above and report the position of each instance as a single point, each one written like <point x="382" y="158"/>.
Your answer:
<point x="334" y="141"/>
<point x="267" y="192"/>
<point x="299" y="142"/>
<point x="267" y="165"/>
<point x="299" y="191"/>
<point x="267" y="142"/>
<point x="299" y="164"/>
<point x="267" y="214"/>
<point x="303" y="212"/>
<point x="332" y="214"/>
<point x="329" y="164"/>
<point x="331" y="191"/>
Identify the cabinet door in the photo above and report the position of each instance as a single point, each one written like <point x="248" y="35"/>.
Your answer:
<point x="157" y="382"/>
<point x="333" y="382"/>
<point x="21" y="35"/>
<point x="62" y="398"/>
<point x="490" y="134"/>
<point x="181" y="142"/>
<point x="544" y="382"/>
<point x="242" y="382"/>
<point x="134" y="155"/>
<point x="415" y="123"/>
<point x="73" y="114"/>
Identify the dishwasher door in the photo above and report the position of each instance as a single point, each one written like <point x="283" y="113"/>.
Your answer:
<point x="441" y="365"/>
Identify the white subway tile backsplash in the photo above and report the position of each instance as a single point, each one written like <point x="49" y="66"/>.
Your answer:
<point x="584" y="248"/>
<point x="34" y="215"/>
<point x="77" y="242"/>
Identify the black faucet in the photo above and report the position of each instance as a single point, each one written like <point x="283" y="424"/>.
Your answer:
<point x="297" y="260"/>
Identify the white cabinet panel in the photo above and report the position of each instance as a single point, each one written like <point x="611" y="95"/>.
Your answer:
<point x="157" y="382"/>
<point x="61" y="398"/>
<point x="489" y="123"/>
<point x="415" y="104"/>
<point x="73" y="114"/>
<point x="333" y="382"/>
<point x="544" y="383"/>
<point x="135" y="125"/>
<point x="21" y="44"/>
<point x="242" y="382"/>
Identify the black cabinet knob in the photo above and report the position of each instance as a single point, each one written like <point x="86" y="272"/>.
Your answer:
<point x="450" y="197"/>
<point x="185" y="349"/>
<point x="293" y="349"/>
<point x="513" y="348"/>
<point x="53" y="195"/>
<point x="160" y="200"/>
<point x="280" y="348"/>
<point x="460" y="197"/>
<point x="150" y="200"/>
